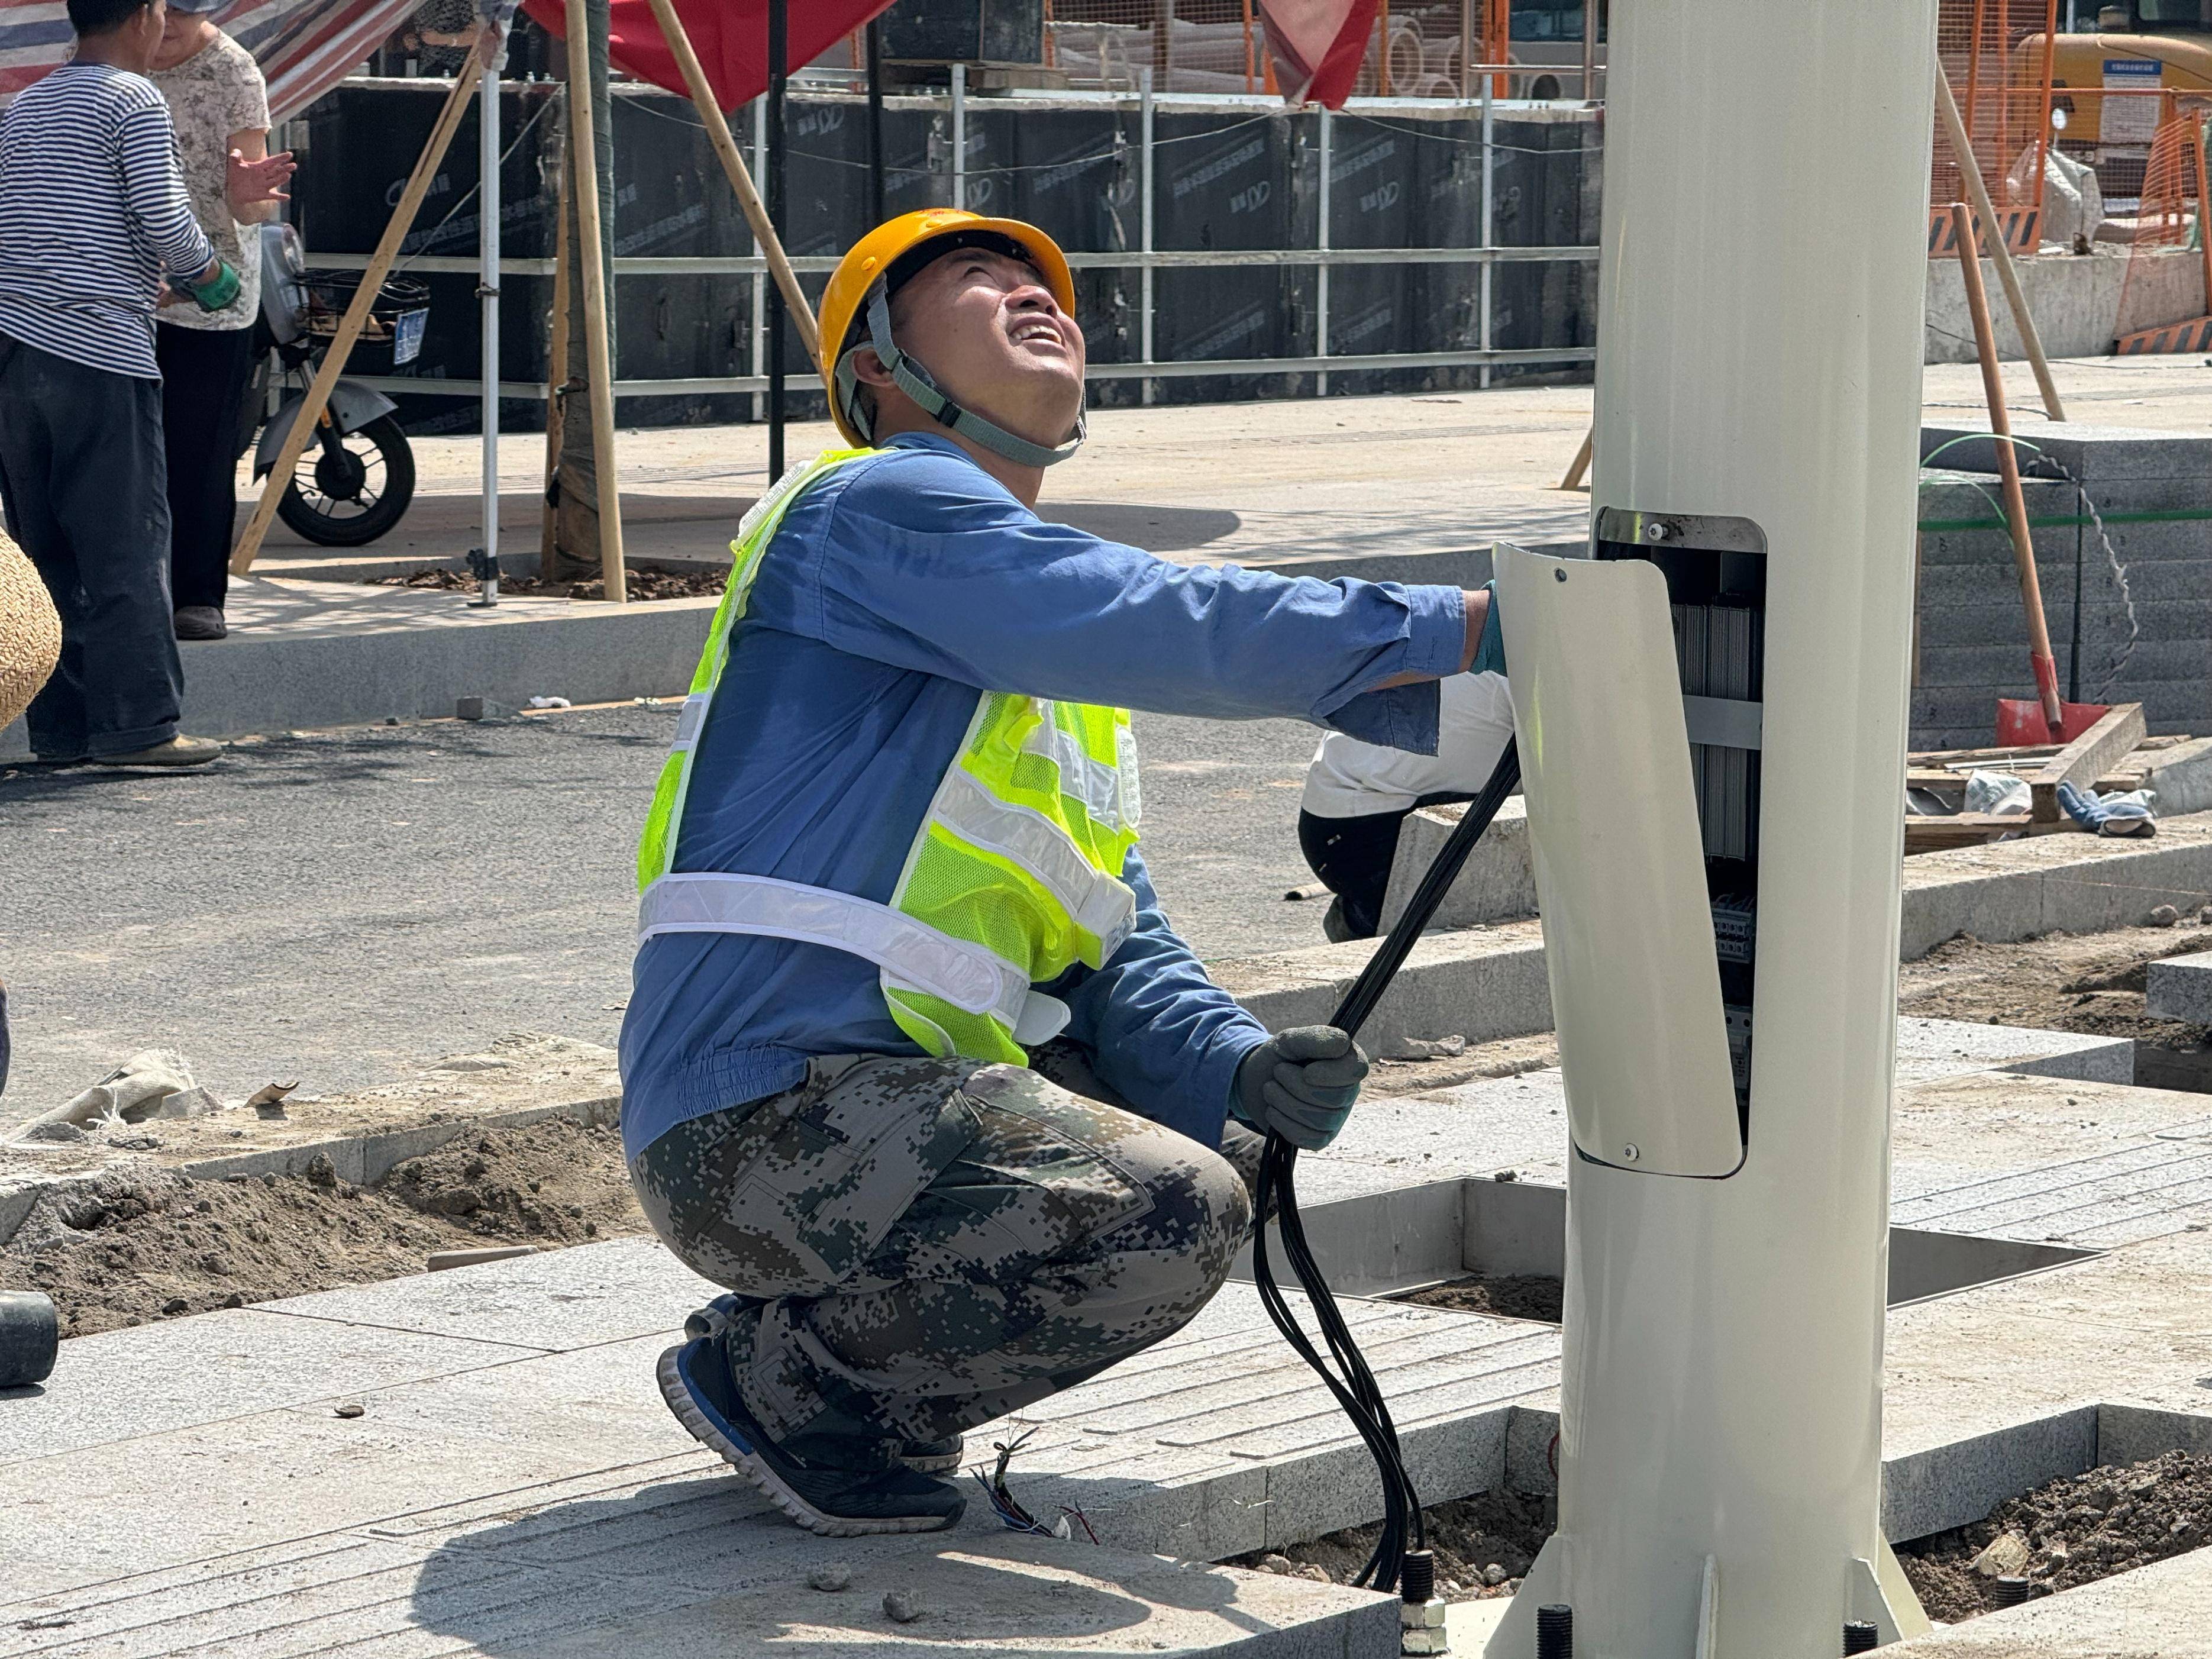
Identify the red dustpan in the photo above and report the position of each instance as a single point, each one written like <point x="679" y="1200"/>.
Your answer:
<point x="2021" y="724"/>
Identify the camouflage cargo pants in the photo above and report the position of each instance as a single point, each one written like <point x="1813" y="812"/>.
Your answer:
<point x="937" y="1243"/>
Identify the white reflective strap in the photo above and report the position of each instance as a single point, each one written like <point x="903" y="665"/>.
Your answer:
<point x="1042" y="1019"/>
<point x="693" y="719"/>
<point x="968" y="976"/>
<point x="1100" y="903"/>
<point x="1125" y="751"/>
<point x="1092" y="782"/>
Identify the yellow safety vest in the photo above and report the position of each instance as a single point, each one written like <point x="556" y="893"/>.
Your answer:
<point x="1014" y="877"/>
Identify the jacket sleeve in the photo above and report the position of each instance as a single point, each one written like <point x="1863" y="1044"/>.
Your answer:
<point x="1164" y="1037"/>
<point x="153" y="193"/>
<point x="920" y="560"/>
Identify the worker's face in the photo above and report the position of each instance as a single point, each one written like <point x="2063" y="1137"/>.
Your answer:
<point x="183" y="33"/>
<point x="989" y="332"/>
<point x="141" y="36"/>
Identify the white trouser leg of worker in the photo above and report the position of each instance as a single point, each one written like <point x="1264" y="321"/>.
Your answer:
<point x="1729" y="1074"/>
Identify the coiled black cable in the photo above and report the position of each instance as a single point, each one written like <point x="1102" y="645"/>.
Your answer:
<point x="1348" y="1376"/>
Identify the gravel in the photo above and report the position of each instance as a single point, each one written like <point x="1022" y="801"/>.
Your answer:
<point x="1468" y="1536"/>
<point x="2075" y="1531"/>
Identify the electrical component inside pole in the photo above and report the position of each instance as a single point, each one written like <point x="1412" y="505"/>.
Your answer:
<point x="1716" y="572"/>
<point x="1345" y="1370"/>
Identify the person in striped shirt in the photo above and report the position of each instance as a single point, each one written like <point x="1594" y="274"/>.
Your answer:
<point x="94" y="215"/>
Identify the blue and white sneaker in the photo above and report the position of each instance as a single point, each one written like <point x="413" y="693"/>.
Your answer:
<point x="837" y="1502"/>
<point x="922" y="1456"/>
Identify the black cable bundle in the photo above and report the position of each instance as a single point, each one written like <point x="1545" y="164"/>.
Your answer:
<point x="1351" y="1381"/>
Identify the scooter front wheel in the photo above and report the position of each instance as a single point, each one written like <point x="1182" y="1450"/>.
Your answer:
<point x="348" y="489"/>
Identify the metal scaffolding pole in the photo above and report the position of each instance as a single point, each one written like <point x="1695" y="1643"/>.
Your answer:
<point x="761" y="279"/>
<point x="875" y="51"/>
<point x="1489" y="191"/>
<point x="1322" y="242"/>
<point x="960" y="135"/>
<point x="488" y="124"/>
<point x="778" y="50"/>
<point x="1144" y="217"/>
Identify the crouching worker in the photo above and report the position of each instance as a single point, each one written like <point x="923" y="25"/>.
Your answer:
<point x="1358" y="795"/>
<point x="914" y="1064"/>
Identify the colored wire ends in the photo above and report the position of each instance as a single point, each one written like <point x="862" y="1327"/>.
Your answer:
<point x="1345" y="1369"/>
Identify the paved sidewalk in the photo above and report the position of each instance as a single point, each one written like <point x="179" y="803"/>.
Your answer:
<point x="512" y="1485"/>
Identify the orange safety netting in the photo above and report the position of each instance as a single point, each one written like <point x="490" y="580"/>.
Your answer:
<point x="1999" y="56"/>
<point x="2164" y="299"/>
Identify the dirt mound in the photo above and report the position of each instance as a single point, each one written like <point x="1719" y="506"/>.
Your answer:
<point x="2089" y="983"/>
<point x="2074" y="1531"/>
<point x="1492" y="1536"/>
<point x="641" y="582"/>
<point x="128" y="1247"/>
<point x="1511" y="1296"/>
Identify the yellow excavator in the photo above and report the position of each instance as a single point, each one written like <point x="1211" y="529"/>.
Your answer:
<point x="2116" y="85"/>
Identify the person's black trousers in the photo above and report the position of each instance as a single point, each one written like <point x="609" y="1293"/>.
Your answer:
<point x="203" y="375"/>
<point x="85" y="489"/>
<point x="1353" y="857"/>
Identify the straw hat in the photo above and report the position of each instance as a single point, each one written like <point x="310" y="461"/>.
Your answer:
<point x="30" y="632"/>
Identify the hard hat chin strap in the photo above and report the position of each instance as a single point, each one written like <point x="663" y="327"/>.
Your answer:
<point x="911" y="377"/>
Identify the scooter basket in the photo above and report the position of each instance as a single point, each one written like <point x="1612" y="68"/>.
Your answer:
<point x="391" y="339"/>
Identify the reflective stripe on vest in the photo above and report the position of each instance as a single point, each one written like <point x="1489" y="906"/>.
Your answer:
<point x="966" y="976"/>
<point x="1013" y="878"/>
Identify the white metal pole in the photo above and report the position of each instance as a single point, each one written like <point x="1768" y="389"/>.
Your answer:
<point x="760" y="277"/>
<point x="1144" y="217"/>
<point x="1489" y="227"/>
<point x="487" y="242"/>
<point x="1322" y="242"/>
<point x="960" y="135"/>
<point x="1720" y="1451"/>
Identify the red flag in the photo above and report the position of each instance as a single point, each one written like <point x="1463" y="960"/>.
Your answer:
<point x="1317" y="45"/>
<point x="730" y="36"/>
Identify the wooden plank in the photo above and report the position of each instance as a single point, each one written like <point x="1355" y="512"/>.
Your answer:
<point x="598" y="358"/>
<point x="1924" y="834"/>
<point x="2086" y="759"/>
<point x="2014" y="759"/>
<point x="307" y="424"/>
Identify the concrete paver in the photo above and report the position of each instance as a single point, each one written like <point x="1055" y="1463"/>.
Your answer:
<point x="2180" y="988"/>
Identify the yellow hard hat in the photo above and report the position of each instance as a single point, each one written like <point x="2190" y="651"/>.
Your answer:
<point x="874" y="263"/>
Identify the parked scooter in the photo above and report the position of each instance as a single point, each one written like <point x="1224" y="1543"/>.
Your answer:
<point x="355" y="483"/>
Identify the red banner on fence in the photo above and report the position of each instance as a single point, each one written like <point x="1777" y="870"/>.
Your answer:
<point x="730" y="36"/>
<point x="1317" y="45"/>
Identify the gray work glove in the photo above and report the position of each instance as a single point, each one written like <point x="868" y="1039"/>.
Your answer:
<point x="1300" y="1084"/>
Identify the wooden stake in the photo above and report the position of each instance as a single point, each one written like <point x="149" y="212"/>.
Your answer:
<point x="741" y="179"/>
<point x="2045" y="664"/>
<point x="556" y="363"/>
<point x="1970" y="170"/>
<point x="1581" y="466"/>
<point x="584" y="179"/>
<point x="310" y="418"/>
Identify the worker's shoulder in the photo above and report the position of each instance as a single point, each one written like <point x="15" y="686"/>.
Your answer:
<point x="223" y="59"/>
<point x="905" y="484"/>
<point x="76" y="90"/>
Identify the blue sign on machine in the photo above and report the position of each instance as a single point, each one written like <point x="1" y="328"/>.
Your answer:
<point x="2132" y="118"/>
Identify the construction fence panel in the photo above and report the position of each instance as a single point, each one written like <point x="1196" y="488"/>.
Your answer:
<point x="1237" y="279"/>
<point x="1416" y="48"/>
<point x="1999" y="56"/>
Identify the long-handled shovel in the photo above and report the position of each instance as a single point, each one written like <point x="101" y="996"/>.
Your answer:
<point x="2043" y="719"/>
